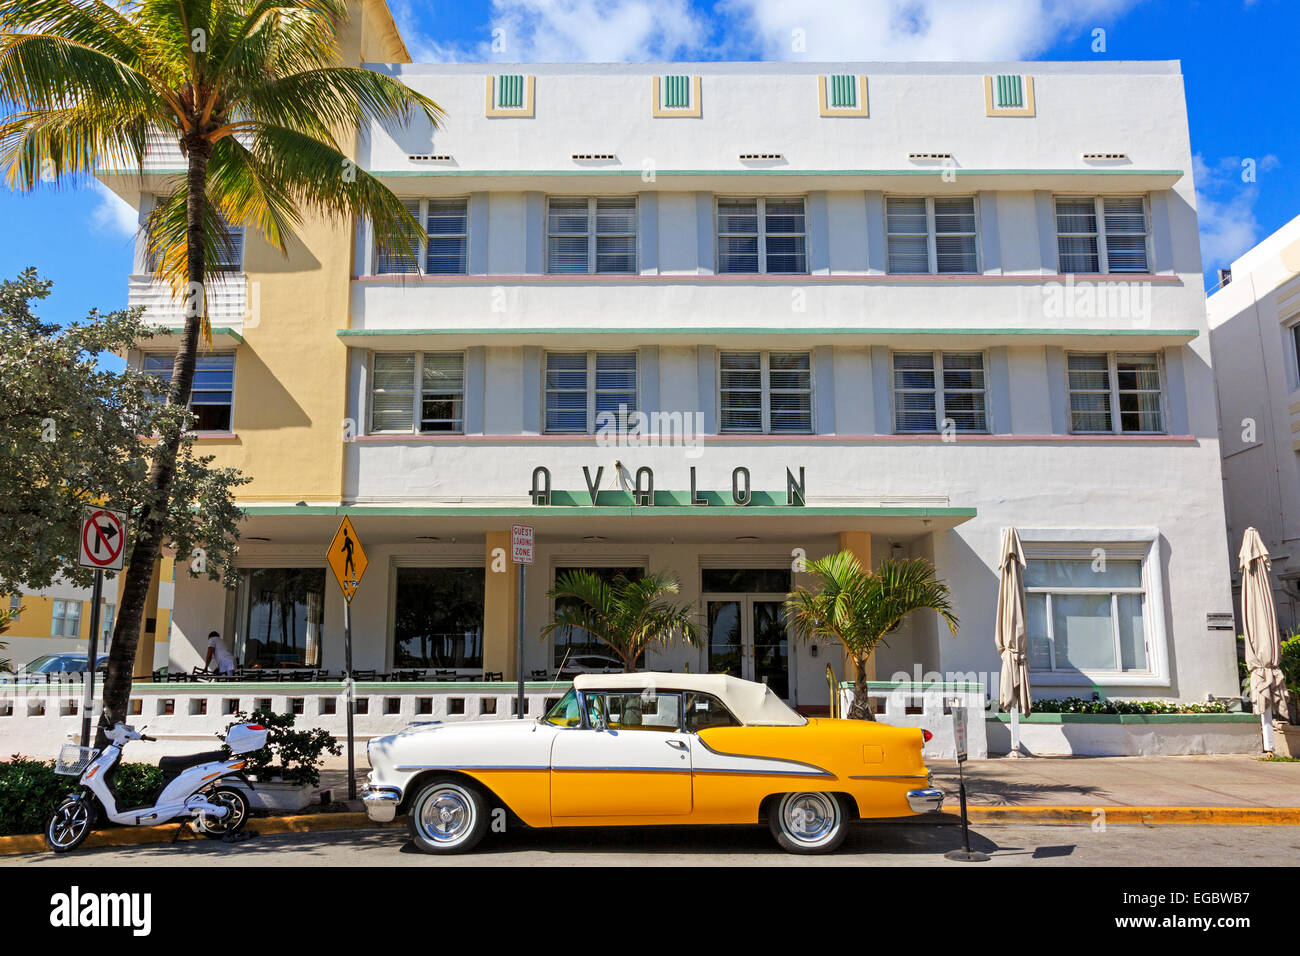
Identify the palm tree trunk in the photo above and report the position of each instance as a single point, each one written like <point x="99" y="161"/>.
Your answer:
<point x="162" y="468"/>
<point x="860" y="706"/>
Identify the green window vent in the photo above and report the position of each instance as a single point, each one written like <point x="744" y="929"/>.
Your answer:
<point x="844" y="91"/>
<point x="676" y="92"/>
<point x="1009" y="91"/>
<point x="510" y="91"/>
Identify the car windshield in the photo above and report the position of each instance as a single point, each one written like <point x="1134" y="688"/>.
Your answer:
<point x="565" y="713"/>
<point x="45" y="664"/>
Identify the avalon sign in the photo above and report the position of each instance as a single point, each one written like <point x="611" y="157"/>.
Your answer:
<point x="643" y="494"/>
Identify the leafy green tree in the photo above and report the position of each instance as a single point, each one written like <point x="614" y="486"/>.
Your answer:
<point x="73" y="433"/>
<point x="858" y="607"/>
<point x="626" y="614"/>
<point x="255" y="95"/>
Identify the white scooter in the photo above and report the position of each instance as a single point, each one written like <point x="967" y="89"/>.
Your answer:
<point x="195" y="787"/>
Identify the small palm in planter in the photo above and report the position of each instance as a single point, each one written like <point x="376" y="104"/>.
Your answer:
<point x="626" y="614"/>
<point x="287" y="769"/>
<point x="858" y="607"/>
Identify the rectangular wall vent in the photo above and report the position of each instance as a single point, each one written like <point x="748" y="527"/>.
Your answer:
<point x="928" y="157"/>
<point x="589" y="157"/>
<point x="1103" y="157"/>
<point x="429" y="157"/>
<point x="759" y="157"/>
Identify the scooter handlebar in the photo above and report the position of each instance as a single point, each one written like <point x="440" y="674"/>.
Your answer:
<point x="147" y="737"/>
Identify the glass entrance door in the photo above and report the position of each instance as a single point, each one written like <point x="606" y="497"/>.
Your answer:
<point x="748" y="639"/>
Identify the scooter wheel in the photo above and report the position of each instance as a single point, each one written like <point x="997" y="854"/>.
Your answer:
<point x="71" y="823"/>
<point x="235" y="802"/>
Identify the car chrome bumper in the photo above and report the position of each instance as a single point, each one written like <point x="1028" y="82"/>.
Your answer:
<point x="381" y="802"/>
<point x="929" y="800"/>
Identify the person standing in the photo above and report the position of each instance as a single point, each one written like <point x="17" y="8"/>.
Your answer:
<point x="217" y="648"/>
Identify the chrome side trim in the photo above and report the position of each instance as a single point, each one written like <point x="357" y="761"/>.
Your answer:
<point x="817" y="771"/>
<point x="408" y="768"/>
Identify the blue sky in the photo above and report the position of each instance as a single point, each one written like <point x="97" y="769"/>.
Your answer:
<point x="1237" y="58"/>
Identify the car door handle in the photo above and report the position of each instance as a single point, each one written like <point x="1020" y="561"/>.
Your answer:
<point x="679" y="744"/>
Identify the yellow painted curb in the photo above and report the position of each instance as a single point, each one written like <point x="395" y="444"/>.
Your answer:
<point x="1147" y="816"/>
<point x="139" y="836"/>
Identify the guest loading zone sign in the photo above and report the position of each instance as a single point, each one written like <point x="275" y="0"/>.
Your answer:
<point x="640" y="492"/>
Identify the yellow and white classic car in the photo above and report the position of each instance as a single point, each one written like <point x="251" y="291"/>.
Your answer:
<point x="651" y="749"/>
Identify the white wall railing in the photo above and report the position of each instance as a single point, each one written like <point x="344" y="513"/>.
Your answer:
<point x="936" y="702"/>
<point x="37" y="719"/>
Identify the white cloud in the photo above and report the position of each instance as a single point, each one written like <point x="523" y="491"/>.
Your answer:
<point x="113" y="214"/>
<point x="915" y="29"/>
<point x="1225" y="206"/>
<point x="615" y="31"/>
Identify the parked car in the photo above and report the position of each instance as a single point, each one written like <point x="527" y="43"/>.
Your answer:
<point x="647" y="749"/>
<point x="54" y="664"/>
<point x="588" y="664"/>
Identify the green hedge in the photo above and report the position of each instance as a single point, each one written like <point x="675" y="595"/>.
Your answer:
<point x="1077" y="705"/>
<point x="30" y="790"/>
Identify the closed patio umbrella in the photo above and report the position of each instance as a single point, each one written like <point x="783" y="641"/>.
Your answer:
<point x="1259" y="621"/>
<point x="1013" y="647"/>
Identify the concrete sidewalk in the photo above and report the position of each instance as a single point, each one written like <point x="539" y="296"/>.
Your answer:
<point x="1194" y="781"/>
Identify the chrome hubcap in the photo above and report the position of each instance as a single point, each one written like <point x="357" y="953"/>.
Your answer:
<point x="234" y="813"/>
<point x="447" y="815"/>
<point x="810" y="817"/>
<point x="68" y="823"/>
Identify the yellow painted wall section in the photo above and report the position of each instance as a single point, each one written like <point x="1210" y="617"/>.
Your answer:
<point x="500" y="606"/>
<point x="291" y="371"/>
<point x="859" y="543"/>
<point x="35" y="620"/>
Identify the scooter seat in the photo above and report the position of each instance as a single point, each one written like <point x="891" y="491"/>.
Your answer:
<point x="174" y="766"/>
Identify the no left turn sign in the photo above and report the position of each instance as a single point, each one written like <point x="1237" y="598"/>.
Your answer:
<point x="103" y="539"/>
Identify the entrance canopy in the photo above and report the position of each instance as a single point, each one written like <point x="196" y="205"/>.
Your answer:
<point x="382" y="524"/>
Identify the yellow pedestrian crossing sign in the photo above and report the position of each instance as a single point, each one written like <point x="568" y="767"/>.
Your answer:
<point x="347" y="559"/>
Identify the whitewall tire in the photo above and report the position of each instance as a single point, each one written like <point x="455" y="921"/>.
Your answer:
<point x="448" y="816"/>
<point x="809" y="822"/>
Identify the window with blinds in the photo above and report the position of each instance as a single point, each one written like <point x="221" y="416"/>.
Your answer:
<point x="762" y="236"/>
<point x="765" y="392"/>
<point x="1115" y="392"/>
<point x="929" y="235"/>
<point x="423" y="387"/>
<point x="936" y="391"/>
<point x="443" y="250"/>
<point x="591" y="235"/>
<point x="1082" y="617"/>
<point x="586" y="391"/>
<point x="212" y="393"/>
<point x="1102" y="234"/>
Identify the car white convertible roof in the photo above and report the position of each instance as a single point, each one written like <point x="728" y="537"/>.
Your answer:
<point x="755" y="704"/>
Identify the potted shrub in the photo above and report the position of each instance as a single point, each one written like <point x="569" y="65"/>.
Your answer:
<point x="286" y="772"/>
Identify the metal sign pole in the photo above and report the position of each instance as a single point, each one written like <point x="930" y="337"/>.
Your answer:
<point x="348" y="685"/>
<point x="88" y="692"/>
<point x="519" y="645"/>
<point x="966" y="854"/>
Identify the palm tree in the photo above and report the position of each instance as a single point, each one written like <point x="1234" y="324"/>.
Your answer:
<point x="626" y="614"/>
<point x="256" y="96"/>
<point x="858" y="607"/>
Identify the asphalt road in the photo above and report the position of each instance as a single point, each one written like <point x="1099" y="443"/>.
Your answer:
<point x="874" y="845"/>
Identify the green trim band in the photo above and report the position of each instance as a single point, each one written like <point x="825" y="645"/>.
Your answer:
<point x="272" y="688"/>
<point x="536" y="511"/>
<point x="602" y="173"/>
<point x="216" y="330"/>
<point x="750" y="330"/>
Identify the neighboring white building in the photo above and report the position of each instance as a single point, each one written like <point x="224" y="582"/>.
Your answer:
<point x="887" y="307"/>
<point x="1255" y="340"/>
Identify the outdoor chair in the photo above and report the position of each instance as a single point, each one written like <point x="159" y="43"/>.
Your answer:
<point x="494" y="675"/>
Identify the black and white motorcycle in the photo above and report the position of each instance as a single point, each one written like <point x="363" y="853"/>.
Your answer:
<point x="196" y="787"/>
